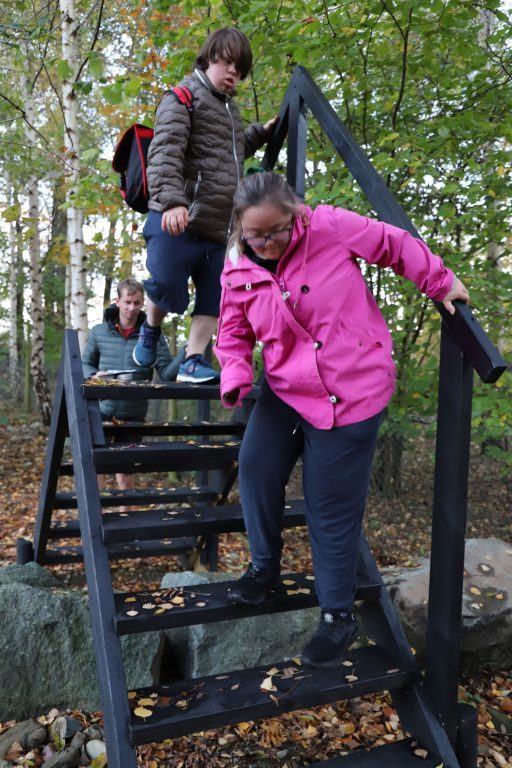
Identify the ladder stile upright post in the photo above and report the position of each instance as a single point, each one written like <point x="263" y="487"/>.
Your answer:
<point x="109" y="661"/>
<point x="49" y="480"/>
<point x="297" y="143"/>
<point x="448" y="531"/>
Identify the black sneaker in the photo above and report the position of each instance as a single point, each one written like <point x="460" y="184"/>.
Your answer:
<point x="334" y="635"/>
<point x="253" y="587"/>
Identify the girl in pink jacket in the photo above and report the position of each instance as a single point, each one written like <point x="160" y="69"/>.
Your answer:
<point x="292" y="282"/>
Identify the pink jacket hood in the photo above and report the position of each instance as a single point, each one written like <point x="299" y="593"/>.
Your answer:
<point x="326" y="346"/>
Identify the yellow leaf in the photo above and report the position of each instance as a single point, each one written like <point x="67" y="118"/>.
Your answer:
<point x="142" y="712"/>
<point x="146" y="702"/>
<point x="178" y="600"/>
<point x="475" y="591"/>
<point x="132" y="694"/>
<point x="267" y="685"/>
<point x="131" y="600"/>
<point x="288" y="582"/>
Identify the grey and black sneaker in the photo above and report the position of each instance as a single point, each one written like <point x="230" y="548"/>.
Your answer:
<point x="253" y="586"/>
<point x="196" y="370"/>
<point x="334" y="635"/>
<point x="144" y="352"/>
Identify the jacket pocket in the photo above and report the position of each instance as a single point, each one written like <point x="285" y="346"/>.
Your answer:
<point x="362" y="337"/>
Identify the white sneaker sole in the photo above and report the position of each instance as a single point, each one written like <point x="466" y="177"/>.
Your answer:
<point x="185" y="379"/>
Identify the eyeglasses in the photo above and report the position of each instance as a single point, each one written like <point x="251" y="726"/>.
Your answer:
<point x="281" y="236"/>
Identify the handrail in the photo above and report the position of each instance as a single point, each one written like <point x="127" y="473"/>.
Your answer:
<point x="463" y="327"/>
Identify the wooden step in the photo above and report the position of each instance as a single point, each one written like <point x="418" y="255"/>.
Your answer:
<point x="74" y="554"/>
<point x="156" y="523"/>
<point x="203" y="603"/>
<point x="174" y="428"/>
<point x="399" y="754"/>
<point x="204" y="703"/>
<point x="142" y="496"/>
<point x="165" y="457"/>
<point x="144" y="391"/>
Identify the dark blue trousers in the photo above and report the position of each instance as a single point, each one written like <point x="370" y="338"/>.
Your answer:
<point x="337" y="466"/>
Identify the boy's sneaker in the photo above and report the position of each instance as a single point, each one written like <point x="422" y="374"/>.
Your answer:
<point x="144" y="352"/>
<point x="334" y="635"/>
<point x="253" y="587"/>
<point x="195" y="370"/>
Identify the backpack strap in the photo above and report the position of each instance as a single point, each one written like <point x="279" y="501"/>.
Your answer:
<point x="184" y="96"/>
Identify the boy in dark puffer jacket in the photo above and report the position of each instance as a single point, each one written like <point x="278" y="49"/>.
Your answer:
<point x="110" y="347"/>
<point x="195" y="162"/>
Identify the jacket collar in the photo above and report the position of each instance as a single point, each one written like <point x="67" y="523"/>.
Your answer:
<point x="111" y="316"/>
<point x="202" y="77"/>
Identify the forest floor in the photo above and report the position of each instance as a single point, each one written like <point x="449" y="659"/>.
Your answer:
<point x="398" y="531"/>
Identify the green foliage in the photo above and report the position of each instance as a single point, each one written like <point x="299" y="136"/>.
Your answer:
<point x="423" y="86"/>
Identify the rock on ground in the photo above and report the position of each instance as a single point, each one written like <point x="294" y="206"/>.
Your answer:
<point x="486" y="641"/>
<point x="209" y="649"/>
<point x="46" y="646"/>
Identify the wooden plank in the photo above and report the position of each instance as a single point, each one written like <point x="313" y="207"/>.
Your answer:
<point x="206" y="603"/>
<point x="227" y="518"/>
<point x="174" y="428"/>
<point x="210" y="702"/>
<point x="74" y="554"/>
<point x="144" y="391"/>
<point x="142" y="497"/>
<point x="166" y="456"/>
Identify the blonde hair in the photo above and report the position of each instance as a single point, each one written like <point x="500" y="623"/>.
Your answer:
<point x="258" y="188"/>
<point x="131" y="285"/>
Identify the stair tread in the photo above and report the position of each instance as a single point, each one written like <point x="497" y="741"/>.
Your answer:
<point x="175" y="428"/>
<point x="147" y="391"/>
<point x="168" y="608"/>
<point x="153" y="457"/>
<point x="203" y="703"/>
<point x="398" y="754"/>
<point x="73" y="553"/>
<point x="143" y="496"/>
<point x="224" y="518"/>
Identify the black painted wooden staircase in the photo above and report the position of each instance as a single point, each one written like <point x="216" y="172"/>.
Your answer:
<point x="385" y="662"/>
<point x="441" y="729"/>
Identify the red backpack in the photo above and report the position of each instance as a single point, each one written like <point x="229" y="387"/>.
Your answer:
<point x="131" y="157"/>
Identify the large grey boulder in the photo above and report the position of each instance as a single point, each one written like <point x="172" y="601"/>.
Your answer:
<point x="210" y="649"/>
<point x="486" y="640"/>
<point x="46" y="647"/>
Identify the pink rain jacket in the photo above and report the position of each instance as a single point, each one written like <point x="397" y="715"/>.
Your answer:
<point x="326" y="346"/>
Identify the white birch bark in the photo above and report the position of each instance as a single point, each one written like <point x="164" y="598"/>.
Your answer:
<point x="14" y="373"/>
<point x="78" y="286"/>
<point x="37" y="358"/>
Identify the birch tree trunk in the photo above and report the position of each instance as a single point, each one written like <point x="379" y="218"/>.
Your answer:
<point x="37" y="358"/>
<point x="14" y="261"/>
<point x="78" y="285"/>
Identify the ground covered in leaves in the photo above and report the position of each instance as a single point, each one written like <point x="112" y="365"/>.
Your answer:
<point x="399" y="533"/>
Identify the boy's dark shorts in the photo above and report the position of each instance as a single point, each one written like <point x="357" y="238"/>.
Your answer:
<point x="172" y="260"/>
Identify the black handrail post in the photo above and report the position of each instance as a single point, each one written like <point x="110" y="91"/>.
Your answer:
<point x="297" y="143"/>
<point x="448" y="531"/>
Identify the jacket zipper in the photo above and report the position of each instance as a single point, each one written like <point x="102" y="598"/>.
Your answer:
<point x="234" y="142"/>
<point x="196" y="190"/>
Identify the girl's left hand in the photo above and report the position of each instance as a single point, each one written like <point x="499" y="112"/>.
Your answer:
<point x="458" y="291"/>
